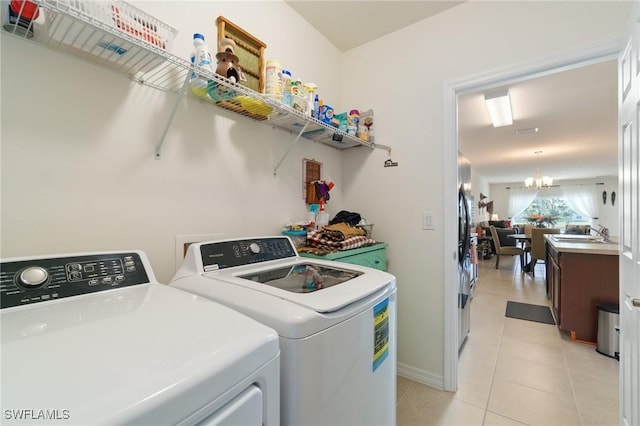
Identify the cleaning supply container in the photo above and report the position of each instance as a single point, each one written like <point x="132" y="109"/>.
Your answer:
<point x="322" y="218"/>
<point x="286" y="87"/>
<point x="273" y="79"/>
<point x="298" y="237"/>
<point x="201" y="61"/>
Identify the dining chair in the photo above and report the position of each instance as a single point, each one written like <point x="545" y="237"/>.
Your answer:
<point x="538" y="249"/>
<point x="527" y="244"/>
<point x="502" y="249"/>
<point x="527" y="229"/>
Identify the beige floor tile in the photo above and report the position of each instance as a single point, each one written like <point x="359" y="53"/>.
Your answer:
<point x="492" y="419"/>
<point x="402" y="386"/>
<point x="478" y="354"/>
<point x="460" y="413"/>
<point x="551" y="355"/>
<point x="497" y="283"/>
<point x="589" y="362"/>
<point x="487" y="334"/>
<point x="475" y="373"/>
<point x="535" y="332"/>
<point x="474" y="387"/>
<point x="600" y="390"/>
<point x="420" y="404"/>
<point x="573" y="346"/>
<point x="596" y="415"/>
<point x="551" y="379"/>
<point x="515" y="372"/>
<point x="489" y="306"/>
<point x="532" y="406"/>
<point x="597" y="399"/>
<point x="423" y="406"/>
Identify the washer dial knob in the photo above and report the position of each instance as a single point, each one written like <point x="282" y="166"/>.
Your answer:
<point x="33" y="277"/>
<point x="254" y="247"/>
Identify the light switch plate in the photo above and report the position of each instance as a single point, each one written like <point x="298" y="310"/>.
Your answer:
<point x="427" y="221"/>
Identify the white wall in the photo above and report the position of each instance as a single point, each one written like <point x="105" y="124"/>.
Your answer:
<point x="78" y="171"/>
<point x="403" y="77"/>
<point x="479" y="185"/>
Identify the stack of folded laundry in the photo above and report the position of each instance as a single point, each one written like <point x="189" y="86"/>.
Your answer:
<point x="331" y="238"/>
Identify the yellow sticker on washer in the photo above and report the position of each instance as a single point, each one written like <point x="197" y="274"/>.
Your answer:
<point x="380" y="333"/>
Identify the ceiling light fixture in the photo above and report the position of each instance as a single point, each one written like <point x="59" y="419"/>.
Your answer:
<point x="499" y="107"/>
<point x="539" y="181"/>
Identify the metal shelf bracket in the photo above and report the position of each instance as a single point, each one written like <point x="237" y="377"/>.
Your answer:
<point x="174" y="110"/>
<point x="295" y="141"/>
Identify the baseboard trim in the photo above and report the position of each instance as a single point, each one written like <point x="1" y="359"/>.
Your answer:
<point x="420" y="376"/>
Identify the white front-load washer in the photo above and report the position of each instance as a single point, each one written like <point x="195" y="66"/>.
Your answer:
<point x="93" y="338"/>
<point x="337" y="325"/>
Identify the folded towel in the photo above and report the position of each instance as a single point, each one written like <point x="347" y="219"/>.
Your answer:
<point x="343" y="231"/>
<point x="324" y="240"/>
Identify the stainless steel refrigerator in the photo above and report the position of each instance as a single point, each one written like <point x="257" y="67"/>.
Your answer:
<point x="464" y="249"/>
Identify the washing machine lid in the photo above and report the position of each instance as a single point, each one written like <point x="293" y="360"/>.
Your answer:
<point x="147" y="353"/>
<point x="306" y="277"/>
<point x="326" y="300"/>
<point x="271" y="266"/>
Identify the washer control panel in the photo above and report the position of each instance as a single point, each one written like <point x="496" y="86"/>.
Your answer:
<point x="24" y="282"/>
<point x="230" y="253"/>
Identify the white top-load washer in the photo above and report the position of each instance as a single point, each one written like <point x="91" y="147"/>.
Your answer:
<point x="93" y="339"/>
<point x="337" y="325"/>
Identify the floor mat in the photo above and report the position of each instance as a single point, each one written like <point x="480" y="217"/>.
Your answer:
<point x="526" y="311"/>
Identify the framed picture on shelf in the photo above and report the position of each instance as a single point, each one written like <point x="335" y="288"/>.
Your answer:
<point x="249" y="50"/>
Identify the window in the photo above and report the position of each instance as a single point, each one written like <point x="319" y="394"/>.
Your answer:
<point x="555" y="209"/>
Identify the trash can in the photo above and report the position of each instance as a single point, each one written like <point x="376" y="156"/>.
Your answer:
<point x="608" y="331"/>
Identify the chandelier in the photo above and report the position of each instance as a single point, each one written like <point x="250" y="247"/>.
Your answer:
<point x="538" y="181"/>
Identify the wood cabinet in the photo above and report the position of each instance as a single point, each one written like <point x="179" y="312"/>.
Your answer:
<point x="576" y="283"/>
<point x="374" y="256"/>
<point x="553" y="282"/>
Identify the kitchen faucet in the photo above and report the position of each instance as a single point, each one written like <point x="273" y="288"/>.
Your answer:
<point x="603" y="231"/>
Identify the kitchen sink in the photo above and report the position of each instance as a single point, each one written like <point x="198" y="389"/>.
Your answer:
<point x="583" y="239"/>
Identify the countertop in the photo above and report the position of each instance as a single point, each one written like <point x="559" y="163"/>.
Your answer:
<point x="585" y="244"/>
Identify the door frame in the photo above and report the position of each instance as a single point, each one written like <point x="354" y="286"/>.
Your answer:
<point x="601" y="52"/>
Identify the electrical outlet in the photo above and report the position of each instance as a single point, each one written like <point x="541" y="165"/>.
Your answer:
<point x="427" y="221"/>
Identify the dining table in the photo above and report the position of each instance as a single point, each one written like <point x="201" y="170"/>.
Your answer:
<point x="522" y="239"/>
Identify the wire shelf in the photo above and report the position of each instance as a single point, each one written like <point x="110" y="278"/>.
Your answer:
<point x="116" y="35"/>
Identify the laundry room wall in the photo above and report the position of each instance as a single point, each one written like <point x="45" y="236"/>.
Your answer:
<point x="403" y="77"/>
<point x="78" y="172"/>
<point x="78" y="167"/>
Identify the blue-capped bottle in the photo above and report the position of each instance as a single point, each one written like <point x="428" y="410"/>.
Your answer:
<point x="286" y="87"/>
<point x="201" y="60"/>
<point x="316" y="107"/>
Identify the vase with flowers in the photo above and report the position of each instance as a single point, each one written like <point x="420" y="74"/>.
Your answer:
<point x="541" y="221"/>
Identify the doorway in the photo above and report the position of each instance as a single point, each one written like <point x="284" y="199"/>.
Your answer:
<point x="472" y="84"/>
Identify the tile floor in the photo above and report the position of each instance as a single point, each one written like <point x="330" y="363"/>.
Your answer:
<point x="516" y="372"/>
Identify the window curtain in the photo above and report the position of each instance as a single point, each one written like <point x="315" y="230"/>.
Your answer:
<point x="519" y="199"/>
<point x="582" y="200"/>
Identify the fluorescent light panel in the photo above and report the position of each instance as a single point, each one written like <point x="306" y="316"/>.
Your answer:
<point x="499" y="107"/>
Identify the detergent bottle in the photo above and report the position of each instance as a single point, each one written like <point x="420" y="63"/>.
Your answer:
<point x="201" y="60"/>
<point x="322" y="218"/>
